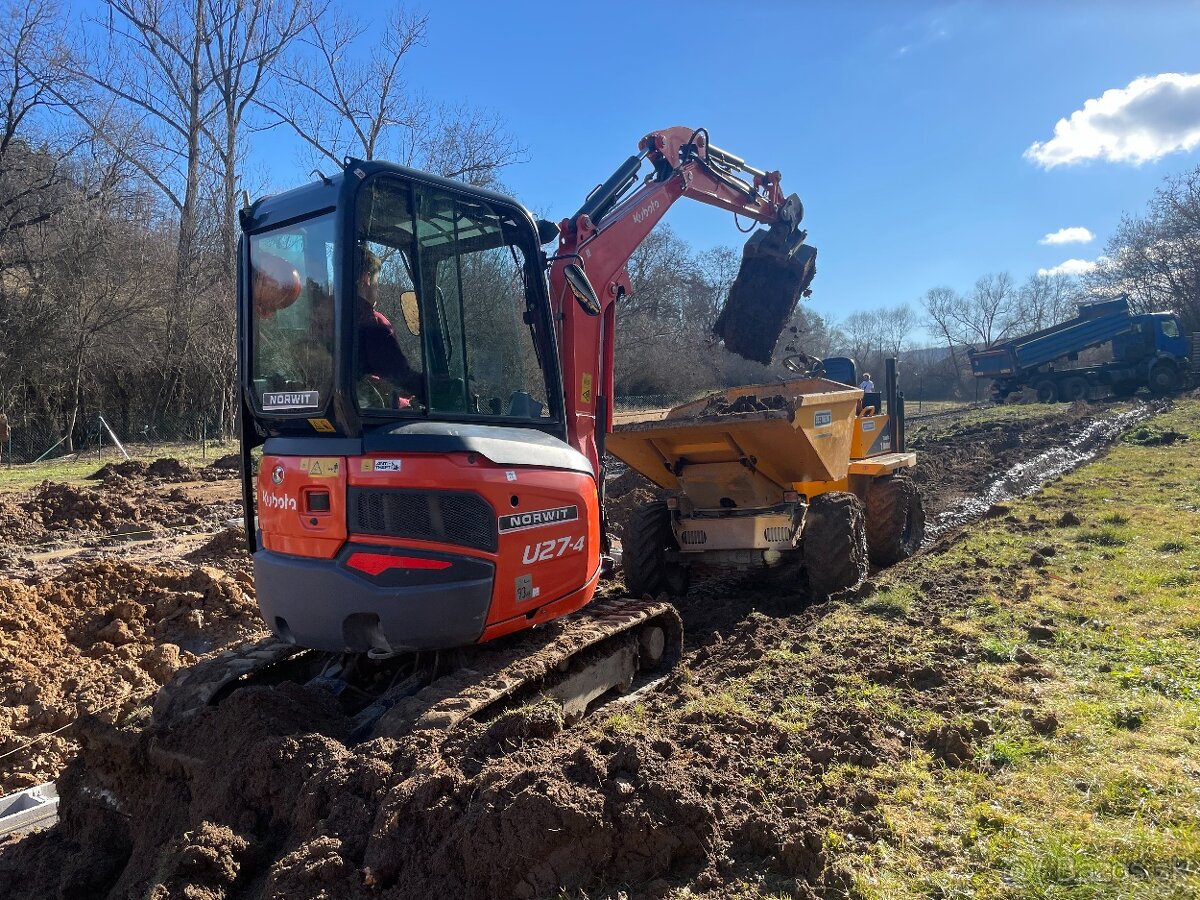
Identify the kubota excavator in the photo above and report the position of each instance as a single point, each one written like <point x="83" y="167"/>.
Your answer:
<point x="431" y="392"/>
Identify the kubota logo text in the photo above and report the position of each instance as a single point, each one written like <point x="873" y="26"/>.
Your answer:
<point x="646" y="210"/>
<point x="275" y="501"/>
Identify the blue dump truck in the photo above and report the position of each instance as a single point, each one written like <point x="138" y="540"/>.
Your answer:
<point x="1147" y="351"/>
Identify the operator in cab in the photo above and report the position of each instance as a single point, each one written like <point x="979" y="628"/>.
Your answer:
<point x="379" y="352"/>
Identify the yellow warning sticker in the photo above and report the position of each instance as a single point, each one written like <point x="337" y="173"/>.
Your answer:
<point x="585" y="388"/>
<point x="366" y="465"/>
<point x="321" y="466"/>
<point x="323" y="425"/>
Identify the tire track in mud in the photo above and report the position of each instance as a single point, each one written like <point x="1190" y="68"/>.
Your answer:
<point x="685" y="790"/>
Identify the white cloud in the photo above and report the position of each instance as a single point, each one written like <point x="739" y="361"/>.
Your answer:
<point x="1074" y="235"/>
<point x="1073" y="267"/>
<point x="1145" y="121"/>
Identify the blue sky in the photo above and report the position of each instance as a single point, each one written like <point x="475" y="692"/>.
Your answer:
<point x="902" y="126"/>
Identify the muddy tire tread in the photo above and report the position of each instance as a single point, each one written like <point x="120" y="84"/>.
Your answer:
<point x="892" y="504"/>
<point x="647" y="535"/>
<point x="835" y="544"/>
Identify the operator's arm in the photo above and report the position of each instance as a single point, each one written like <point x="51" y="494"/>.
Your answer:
<point x="381" y="355"/>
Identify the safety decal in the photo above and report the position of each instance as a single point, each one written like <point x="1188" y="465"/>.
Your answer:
<point x="823" y="417"/>
<point x="291" y="400"/>
<point x="868" y="426"/>
<point x="389" y="465"/>
<point x="585" y="387"/>
<point x="322" y="425"/>
<point x="537" y="518"/>
<point x="321" y="467"/>
<point x="510" y="475"/>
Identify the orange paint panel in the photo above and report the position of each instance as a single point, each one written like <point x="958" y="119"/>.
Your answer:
<point x="290" y="512"/>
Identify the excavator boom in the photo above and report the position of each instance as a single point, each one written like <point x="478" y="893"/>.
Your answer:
<point x="777" y="266"/>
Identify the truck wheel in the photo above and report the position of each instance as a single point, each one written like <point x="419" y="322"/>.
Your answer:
<point x="1046" y="391"/>
<point x="1164" y="378"/>
<point x="835" y="544"/>
<point x="648" y="538"/>
<point x="895" y="519"/>
<point x="1075" y="389"/>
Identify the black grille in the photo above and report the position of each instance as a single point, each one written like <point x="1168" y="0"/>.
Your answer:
<point x="449" y="517"/>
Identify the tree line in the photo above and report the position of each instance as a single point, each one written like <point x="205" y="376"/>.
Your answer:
<point x="123" y="157"/>
<point x="124" y="144"/>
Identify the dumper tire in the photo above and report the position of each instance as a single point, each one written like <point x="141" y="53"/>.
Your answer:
<point x="1046" y="391"/>
<point x="1164" y="378"/>
<point x="1075" y="388"/>
<point x="834" y="538"/>
<point x="647" y="540"/>
<point x="895" y="519"/>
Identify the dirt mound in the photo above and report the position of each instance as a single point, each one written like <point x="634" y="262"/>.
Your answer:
<point x="164" y="469"/>
<point x="624" y="494"/>
<point x="170" y="468"/>
<point x="59" y="505"/>
<point x="126" y="468"/>
<point x="231" y="462"/>
<point x="98" y="639"/>
<point x="117" y="506"/>
<point x="723" y="406"/>
<point x="225" y="546"/>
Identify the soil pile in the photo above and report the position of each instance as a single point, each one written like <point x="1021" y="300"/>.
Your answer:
<point x="226" y="549"/>
<point x="266" y="796"/>
<point x="749" y="403"/>
<point x="623" y="495"/>
<point x="116" y="506"/>
<point x="100" y="638"/>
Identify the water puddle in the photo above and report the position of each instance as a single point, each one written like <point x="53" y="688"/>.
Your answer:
<point x="1027" y="477"/>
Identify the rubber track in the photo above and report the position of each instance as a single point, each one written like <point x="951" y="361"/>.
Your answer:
<point x="194" y="688"/>
<point x="494" y="677"/>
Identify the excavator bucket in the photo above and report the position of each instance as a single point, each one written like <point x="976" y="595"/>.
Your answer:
<point x="777" y="268"/>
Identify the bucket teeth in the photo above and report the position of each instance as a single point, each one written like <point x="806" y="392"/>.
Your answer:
<point x="777" y="267"/>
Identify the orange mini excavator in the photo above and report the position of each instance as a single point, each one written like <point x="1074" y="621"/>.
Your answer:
<point x="431" y="392"/>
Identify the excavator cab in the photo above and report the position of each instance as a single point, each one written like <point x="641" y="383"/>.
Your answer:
<point x="400" y="372"/>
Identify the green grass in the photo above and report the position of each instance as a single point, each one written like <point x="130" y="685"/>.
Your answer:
<point x="75" y="468"/>
<point x="1107" y="803"/>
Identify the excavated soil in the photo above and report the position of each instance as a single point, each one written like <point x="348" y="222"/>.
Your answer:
<point x="98" y="639"/>
<point x="56" y="512"/>
<point x="689" y="793"/>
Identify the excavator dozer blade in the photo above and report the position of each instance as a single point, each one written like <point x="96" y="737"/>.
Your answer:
<point x="777" y="268"/>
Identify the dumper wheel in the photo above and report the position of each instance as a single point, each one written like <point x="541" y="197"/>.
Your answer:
<point x="648" y="538"/>
<point x="1164" y="378"/>
<point x="1046" y="391"/>
<point x="835" y="544"/>
<point x="895" y="519"/>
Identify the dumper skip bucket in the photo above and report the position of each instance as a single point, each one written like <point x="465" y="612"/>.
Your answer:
<point x="777" y="268"/>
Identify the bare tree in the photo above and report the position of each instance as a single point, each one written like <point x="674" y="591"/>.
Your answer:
<point x="942" y="305"/>
<point x="246" y="38"/>
<point x="1155" y="258"/>
<point x="341" y="105"/>
<point x="34" y="71"/>
<point x="1046" y="300"/>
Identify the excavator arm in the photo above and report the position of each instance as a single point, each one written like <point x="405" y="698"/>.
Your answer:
<point x="588" y="275"/>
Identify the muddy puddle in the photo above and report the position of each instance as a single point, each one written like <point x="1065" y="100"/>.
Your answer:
<point x="1028" y="476"/>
